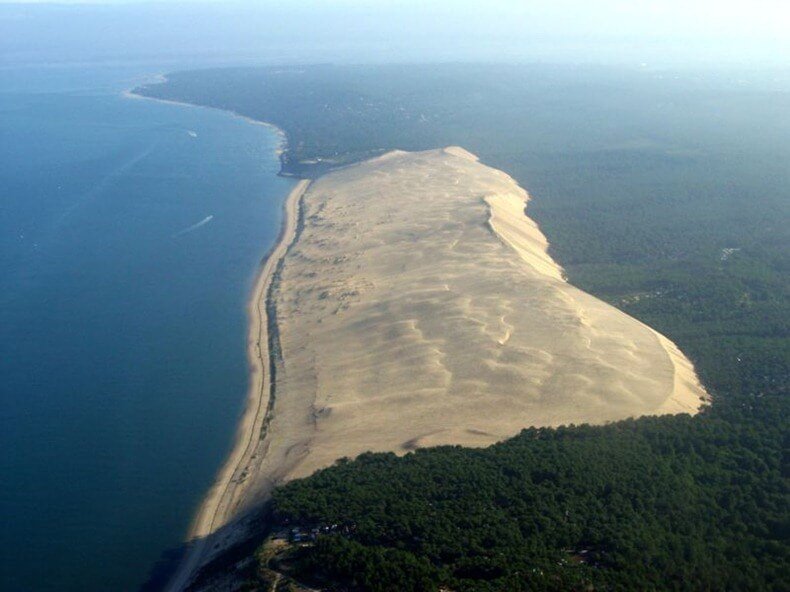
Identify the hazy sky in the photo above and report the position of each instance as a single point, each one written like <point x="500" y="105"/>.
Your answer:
<point x="630" y="31"/>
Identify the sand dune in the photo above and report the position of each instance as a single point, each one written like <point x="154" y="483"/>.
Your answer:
<point x="413" y="303"/>
<point x="419" y="307"/>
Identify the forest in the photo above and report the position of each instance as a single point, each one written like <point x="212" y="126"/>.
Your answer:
<point x="667" y="195"/>
<point x="651" y="504"/>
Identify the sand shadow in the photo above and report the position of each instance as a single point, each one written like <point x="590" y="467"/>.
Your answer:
<point x="226" y="564"/>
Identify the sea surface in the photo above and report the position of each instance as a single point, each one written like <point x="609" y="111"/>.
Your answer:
<point x="130" y="234"/>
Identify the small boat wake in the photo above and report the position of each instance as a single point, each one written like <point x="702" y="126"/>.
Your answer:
<point x="189" y="229"/>
<point x="193" y="134"/>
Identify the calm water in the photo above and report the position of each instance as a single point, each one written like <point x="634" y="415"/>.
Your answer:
<point x="122" y="356"/>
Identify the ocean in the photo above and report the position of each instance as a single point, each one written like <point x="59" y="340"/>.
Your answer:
<point x="130" y="235"/>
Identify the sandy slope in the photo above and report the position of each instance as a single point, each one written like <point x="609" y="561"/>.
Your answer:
<point x="416" y="306"/>
<point x="419" y="307"/>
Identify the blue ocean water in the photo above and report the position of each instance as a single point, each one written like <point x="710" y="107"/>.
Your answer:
<point x="130" y="233"/>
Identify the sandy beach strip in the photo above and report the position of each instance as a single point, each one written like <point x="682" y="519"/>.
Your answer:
<point x="218" y="506"/>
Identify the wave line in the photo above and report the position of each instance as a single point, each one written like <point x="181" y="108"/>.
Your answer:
<point x="188" y="229"/>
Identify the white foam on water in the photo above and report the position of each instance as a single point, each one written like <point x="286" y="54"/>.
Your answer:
<point x="188" y="229"/>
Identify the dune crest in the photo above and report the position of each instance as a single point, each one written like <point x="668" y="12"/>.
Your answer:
<point x="419" y="306"/>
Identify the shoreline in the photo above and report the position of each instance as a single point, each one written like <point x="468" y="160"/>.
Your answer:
<point x="236" y="478"/>
<point x="252" y="420"/>
<point x="218" y="506"/>
<point x="222" y="498"/>
<point x="281" y="135"/>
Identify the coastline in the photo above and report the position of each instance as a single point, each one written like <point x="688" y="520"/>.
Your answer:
<point x="225" y="500"/>
<point x="217" y="507"/>
<point x="220" y="502"/>
<point x="281" y="135"/>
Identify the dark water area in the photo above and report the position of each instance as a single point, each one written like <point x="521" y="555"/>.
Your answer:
<point x="130" y="234"/>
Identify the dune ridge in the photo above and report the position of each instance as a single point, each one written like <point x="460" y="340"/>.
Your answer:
<point x="419" y="306"/>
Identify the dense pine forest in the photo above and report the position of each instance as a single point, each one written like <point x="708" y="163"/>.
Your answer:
<point x="651" y="504"/>
<point x="666" y="194"/>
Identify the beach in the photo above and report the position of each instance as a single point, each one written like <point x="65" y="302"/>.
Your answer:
<point x="220" y="503"/>
<point x="215" y="525"/>
<point x="152" y="218"/>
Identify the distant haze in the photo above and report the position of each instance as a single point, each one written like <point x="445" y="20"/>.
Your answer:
<point x="663" y="33"/>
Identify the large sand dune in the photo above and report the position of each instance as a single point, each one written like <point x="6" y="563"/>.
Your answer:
<point x="419" y="307"/>
<point x="415" y="304"/>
